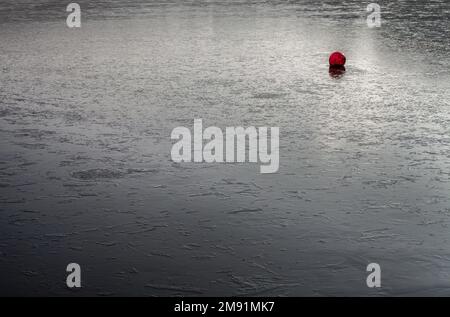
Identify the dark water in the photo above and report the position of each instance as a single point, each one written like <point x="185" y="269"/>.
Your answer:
<point x="86" y="174"/>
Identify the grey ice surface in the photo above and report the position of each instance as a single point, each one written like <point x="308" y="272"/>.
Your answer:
<point x="85" y="169"/>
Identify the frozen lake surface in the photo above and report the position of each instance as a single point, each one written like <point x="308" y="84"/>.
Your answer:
<point x="86" y="174"/>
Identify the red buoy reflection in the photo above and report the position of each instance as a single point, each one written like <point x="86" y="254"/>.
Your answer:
<point x="337" y="71"/>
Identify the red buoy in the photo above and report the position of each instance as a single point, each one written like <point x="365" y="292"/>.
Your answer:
<point x="337" y="59"/>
